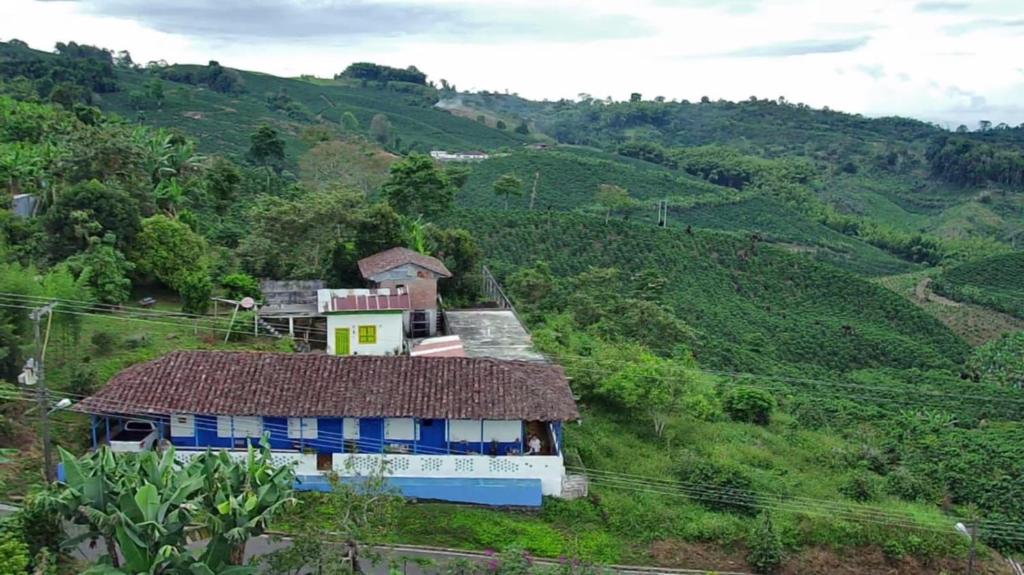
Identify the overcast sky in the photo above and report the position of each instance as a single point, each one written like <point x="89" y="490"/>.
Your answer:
<point x="945" y="61"/>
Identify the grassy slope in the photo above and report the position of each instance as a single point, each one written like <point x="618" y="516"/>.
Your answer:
<point x="135" y="342"/>
<point x="760" y="311"/>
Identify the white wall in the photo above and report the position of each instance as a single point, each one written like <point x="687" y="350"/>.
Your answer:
<point x="548" y="468"/>
<point x="390" y="334"/>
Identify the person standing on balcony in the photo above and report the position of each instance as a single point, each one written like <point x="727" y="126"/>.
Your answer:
<point x="533" y="445"/>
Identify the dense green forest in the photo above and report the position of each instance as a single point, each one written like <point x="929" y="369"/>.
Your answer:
<point x="741" y="292"/>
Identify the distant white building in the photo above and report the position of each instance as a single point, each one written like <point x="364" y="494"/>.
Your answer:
<point x="443" y="156"/>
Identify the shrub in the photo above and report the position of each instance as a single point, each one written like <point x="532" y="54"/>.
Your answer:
<point x="764" y="545"/>
<point x="103" y="342"/>
<point x="195" y="291"/>
<point x="13" y="554"/>
<point x="137" y="341"/>
<point x="862" y="486"/>
<point x="240" y="285"/>
<point x="749" y="404"/>
<point x="723" y="486"/>
<point x="893" y="550"/>
<point x="909" y="486"/>
<point x="83" y="379"/>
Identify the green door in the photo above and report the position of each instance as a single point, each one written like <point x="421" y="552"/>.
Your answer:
<point x="341" y="341"/>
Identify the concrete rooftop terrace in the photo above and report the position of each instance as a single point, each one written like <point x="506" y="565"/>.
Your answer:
<point x="493" y="333"/>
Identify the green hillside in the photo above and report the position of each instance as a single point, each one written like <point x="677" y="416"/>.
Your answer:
<point x="755" y="307"/>
<point x="223" y="122"/>
<point x="996" y="282"/>
<point x="568" y="179"/>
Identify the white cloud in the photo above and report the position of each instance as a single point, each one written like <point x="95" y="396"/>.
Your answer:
<point x="946" y="61"/>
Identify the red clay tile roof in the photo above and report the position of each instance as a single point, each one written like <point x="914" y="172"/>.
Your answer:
<point x="372" y="302"/>
<point x="394" y="257"/>
<point x="316" y="385"/>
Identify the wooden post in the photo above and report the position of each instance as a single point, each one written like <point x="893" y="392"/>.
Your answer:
<point x="533" y="194"/>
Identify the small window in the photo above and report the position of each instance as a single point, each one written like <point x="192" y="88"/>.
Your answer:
<point x="400" y="429"/>
<point x="302" y="428"/>
<point x="368" y="334"/>
<point x="239" y="426"/>
<point x="350" y="428"/>
<point x="503" y="431"/>
<point x="183" y="426"/>
<point x="464" y="430"/>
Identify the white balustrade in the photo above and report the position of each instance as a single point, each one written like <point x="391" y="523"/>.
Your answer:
<point x="305" y="463"/>
<point x="548" y="468"/>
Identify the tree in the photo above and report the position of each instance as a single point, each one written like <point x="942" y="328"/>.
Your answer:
<point x="523" y="127"/>
<point x="286" y="238"/>
<point x="648" y="384"/>
<point x="508" y="185"/>
<point x="749" y="404"/>
<point x="222" y="181"/>
<point x="195" y="290"/>
<point x="635" y="97"/>
<point x="104" y="269"/>
<point x="169" y="251"/>
<point x="349" y="122"/>
<point x="380" y="129"/>
<point x="459" y="251"/>
<point x="91" y="209"/>
<point x="417" y="187"/>
<point x="611" y="198"/>
<point x="500" y="124"/>
<point x="241" y="285"/>
<point x="764" y="546"/>
<point x="353" y="163"/>
<point x="266" y="148"/>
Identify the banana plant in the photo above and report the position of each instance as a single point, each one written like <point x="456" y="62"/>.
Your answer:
<point x="146" y="505"/>
<point x="241" y="497"/>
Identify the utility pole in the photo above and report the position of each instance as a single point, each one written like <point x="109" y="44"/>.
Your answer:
<point x="533" y="194"/>
<point x="973" y="529"/>
<point x="42" y="395"/>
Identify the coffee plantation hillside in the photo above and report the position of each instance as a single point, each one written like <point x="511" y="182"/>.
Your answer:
<point x="222" y="107"/>
<point x="996" y="282"/>
<point x="570" y="179"/>
<point x="750" y="305"/>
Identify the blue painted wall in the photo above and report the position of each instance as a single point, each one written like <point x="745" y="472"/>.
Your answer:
<point x="517" y="492"/>
<point x="433" y="437"/>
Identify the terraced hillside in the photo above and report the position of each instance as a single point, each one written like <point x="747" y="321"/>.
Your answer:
<point x="755" y="307"/>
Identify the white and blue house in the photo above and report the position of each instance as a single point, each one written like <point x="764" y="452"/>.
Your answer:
<point x="444" y="428"/>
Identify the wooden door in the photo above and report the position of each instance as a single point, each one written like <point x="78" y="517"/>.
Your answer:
<point x="341" y="341"/>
